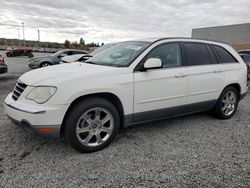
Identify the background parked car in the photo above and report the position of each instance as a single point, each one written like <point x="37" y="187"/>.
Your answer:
<point x="84" y="57"/>
<point x="53" y="59"/>
<point x="246" y="59"/>
<point x="75" y="58"/>
<point x="244" y="52"/>
<point x="19" y="52"/>
<point x="3" y="66"/>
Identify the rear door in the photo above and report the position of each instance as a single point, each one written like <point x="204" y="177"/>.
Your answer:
<point x="206" y="76"/>
<point x="231" y="68"/>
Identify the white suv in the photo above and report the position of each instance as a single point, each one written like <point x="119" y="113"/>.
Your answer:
<point x="131" y="82"/>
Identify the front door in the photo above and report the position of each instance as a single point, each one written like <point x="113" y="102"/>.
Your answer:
<point x="161" y="92"/>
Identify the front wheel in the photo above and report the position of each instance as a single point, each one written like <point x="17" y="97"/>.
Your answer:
<point x="45" y="64"/>
<point x="227" y="104"/>
<point x="92" y="125"/>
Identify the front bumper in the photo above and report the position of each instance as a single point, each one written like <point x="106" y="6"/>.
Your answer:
<point x="45" y="121"/>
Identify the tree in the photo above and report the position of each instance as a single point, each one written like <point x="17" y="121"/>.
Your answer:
<point x="74" y="45"/>
<point x="49" y="45"/>
<point x="82" y="42"/>
<point x="66" y="43"/>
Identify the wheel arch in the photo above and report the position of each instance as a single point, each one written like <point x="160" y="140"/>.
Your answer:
<point x="236" y="86"/>
<point x="40" y="65"/>
<point x="114" y="99"/>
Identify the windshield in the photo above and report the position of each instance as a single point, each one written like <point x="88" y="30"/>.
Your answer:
<point x="57" y="53"/>
<point x="119" y="55"/>
<point x="102" y="48"/>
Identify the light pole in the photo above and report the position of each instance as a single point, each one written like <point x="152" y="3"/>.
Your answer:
<point x="18" y="31"/>
<point x="23" y="35"/>
<point x="38" y="31"/>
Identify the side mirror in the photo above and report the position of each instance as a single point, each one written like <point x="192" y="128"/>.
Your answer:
<point x="153" y="63"/>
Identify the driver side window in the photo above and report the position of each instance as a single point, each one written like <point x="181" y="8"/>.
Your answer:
<point x="170" y="54"/>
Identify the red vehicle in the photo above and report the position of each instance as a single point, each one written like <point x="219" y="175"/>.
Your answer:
<point x="20" y="52"/>
<point x="3" y="66"/>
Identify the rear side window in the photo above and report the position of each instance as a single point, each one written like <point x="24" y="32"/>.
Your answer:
<point x="223" y="55"/>
<point x="196" y="54"/>
<point x="78" y="52"/>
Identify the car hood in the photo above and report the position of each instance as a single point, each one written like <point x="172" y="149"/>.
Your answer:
<point x="59" y="73"/>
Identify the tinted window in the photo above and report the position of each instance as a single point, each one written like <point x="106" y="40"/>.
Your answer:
<point x="197" y="54"/>
<point x="78" y="52"/>
<point x="246" y="58"/>
<point x="170" y="54"/>
<point x="223" y="55"/>
<point x="212" y="55"/>
<point x="70" y="53"/>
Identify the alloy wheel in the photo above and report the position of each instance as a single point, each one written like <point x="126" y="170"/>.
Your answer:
<point x="229" y="103"/>
<point x="94" y="127"/>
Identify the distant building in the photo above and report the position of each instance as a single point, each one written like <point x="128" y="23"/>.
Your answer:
<point x="236" y="35"/>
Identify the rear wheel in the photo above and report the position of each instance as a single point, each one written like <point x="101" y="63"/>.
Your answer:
<point x="92" y="125"/>
<point x="227" y="104"/>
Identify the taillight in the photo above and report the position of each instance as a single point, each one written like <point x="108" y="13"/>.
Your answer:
<point x="1" y="59"/>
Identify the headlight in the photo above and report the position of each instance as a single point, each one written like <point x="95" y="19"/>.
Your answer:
<point x="41" y="94"/>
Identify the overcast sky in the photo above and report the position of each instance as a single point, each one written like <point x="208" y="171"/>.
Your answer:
<point x="116" y="20"/>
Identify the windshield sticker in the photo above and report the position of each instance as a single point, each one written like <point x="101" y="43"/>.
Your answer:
<point x="134" y="47"/>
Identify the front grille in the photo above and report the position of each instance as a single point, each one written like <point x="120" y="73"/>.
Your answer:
<point x="18" y="90"/>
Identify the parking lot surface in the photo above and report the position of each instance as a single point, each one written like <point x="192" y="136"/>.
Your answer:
<point x="191" y="151"/>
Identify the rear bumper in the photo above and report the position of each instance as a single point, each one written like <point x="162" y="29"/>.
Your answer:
<point x="3" y="69"/>
<point x="244" y="92"/>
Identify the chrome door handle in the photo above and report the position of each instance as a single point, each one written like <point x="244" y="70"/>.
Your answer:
<point x="181" y="75"/>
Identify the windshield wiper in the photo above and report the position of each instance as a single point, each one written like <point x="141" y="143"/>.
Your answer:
<point x="91" y="62"/>
<point x="102" y="64"/>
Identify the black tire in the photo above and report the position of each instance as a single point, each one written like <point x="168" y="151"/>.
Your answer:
<point x="76" y="114"/>
<point x="45" y="64"/>
<point x="218" y="108"/>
